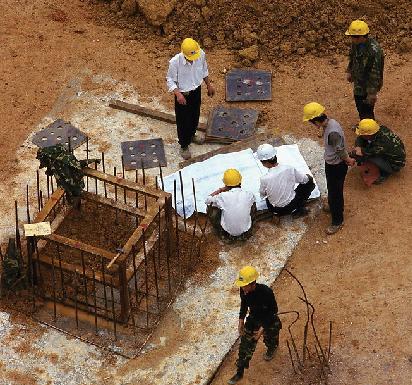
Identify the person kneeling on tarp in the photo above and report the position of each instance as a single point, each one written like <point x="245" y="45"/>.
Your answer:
<point x="278" y="185"/>
<point x="380" y="146"/>
<point x="230" y="208"/>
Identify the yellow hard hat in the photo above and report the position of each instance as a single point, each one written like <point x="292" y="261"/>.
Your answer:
<point x="232" y="177"/>
<point x="367" y="127"/>
<point x="312" y="110"/>
<point x="247" y="274"/>
<point x="190" y="49"/>
<point x="357" y="28"/>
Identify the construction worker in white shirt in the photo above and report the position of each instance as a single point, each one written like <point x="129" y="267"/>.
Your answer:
<point x="231" y="209"/>
<point x="278" y="185"/>
<point x="187" y="70"/>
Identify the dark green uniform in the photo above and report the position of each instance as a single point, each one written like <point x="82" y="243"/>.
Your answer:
<point x="366" y="63"/>
<point x="385" y="145"/>
<point x="263" y="309"/>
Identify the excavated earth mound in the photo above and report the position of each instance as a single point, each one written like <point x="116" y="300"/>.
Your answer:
<point x="270" y="29"/>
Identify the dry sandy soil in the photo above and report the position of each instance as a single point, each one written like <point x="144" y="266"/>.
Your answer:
<point x="360" y="279"/>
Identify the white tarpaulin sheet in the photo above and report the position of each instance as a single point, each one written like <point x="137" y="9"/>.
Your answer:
<point x="207" y="177"/>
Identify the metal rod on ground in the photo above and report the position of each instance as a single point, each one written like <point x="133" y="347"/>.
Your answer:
<point x="104" y="172"/>
<point x="322" y="372"/>
<point x="291" y="358"/>
<point x="161" y="177"/>
<point x="84" y="278"/>
<point x="38" y="188"/>
<point x="115" y="195"/>
<point x="54" y="289"/>
<point x="177" y="231"/>
<point x="95" y="302"/>
<point x="87" y="160"/>
<point x="76" y="309"/>
<point x="305" y="330"/>
<point x="106" y="310"/>
<point x="146" y="278"/>
<point x="124" y="189"/>
<point x="18" y="239"/>
<point x="183" y="199"/>
<point x="330" y="340"/>
<point x="113" y="311"/>
<point x="144" y="184"/>
<point x="291" y="335"/>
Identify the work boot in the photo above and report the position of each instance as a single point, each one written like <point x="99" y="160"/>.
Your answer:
<point x="197" y="139"/>
<point x="237" y="377"/>
<point x="268" y="356"/>
<point x="380" y="180"/>
<point x="332" y="229"/>
<point x="185" y="153"/>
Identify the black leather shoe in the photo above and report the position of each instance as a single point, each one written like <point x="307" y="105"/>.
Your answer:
<point x="237" y="377"/>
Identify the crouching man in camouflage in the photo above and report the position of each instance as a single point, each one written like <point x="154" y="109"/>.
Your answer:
<point x="378" y="145"/>
<point x="260" y="301"/>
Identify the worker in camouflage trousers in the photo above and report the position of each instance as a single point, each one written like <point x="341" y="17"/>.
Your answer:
<point x="260" y="301"/>
<point x="379" y="145"/>
<point x="365" y="68"/>
<point x="66" y="169"/>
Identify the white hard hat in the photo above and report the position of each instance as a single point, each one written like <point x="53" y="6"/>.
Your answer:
<point x="265" y="152"/>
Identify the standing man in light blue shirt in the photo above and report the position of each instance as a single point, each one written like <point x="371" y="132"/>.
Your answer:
<point x="187" y="70"/>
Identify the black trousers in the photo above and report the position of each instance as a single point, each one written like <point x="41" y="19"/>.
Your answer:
<point x="302" y="191"/>
<point x="187" y="117"/>
<point x="335" y="179"/>
<point x="365" y="110"/>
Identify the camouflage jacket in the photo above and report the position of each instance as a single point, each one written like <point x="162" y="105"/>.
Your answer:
<point x="366" y="64"/>
<point x="64" y="166"/>
<point x="385" y="144"/>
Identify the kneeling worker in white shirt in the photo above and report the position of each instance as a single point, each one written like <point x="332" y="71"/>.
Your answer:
<point x="230" y="208"/>
<point x="278" y="185"/>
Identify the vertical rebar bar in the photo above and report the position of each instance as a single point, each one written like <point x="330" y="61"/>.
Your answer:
<point x="161" y="177"/>
<point x="146" y="278"/>
<point x="136" y="179"/>
<point x="18" y="238"/>
<point x="330" y="339"/>
<point x="84" y="279"/>
<point x="87" y="161"/>
<point x="113" y="311"/>
<point x="155" y="277"/>
<point x="106" y="310"/>
<point x="48" y="186"/>
<point x="177" y="232"/>
<point x="38" y="260"/>
<point x="95" y="301"/>
<point x="115" y="196"/>
<point x="69" y="144"/>
<point x="104" y="172"/>
<point x="144" y="184"/>
<point x="183" y="199"/>
<point x="132" y="314"/>
<point x="195" y="224"/>
<point x="41" y="200"/>
<point x="51" y="184"/>
<point x="54" y="288"/>
<point x="76" y="307"/>
<point x="123" y="176"/>
<point x="291" y="358"/>
<point x="95" y="179"/>
<point x="61" y="271"/>
<point x="38" y="188"/>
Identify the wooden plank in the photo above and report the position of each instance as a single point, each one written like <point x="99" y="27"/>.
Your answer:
<point x="113" y="203"/>
<point x="252" y="142"/>
<point x="50" y="205"/>
<point x="150" y="113"/>
<point x="124" y="183"/>
<point x="80" y="246"/>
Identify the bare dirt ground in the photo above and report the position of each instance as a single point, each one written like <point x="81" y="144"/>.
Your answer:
<point x="360" y="278"/>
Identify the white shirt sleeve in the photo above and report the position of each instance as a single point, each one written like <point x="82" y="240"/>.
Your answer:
<point x="262" y="189"/>
<point x="171" y="77"/>
<point x="205" y="68"/>
<point x="300" y="177"/>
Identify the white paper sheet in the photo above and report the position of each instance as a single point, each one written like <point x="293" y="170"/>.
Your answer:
<point x="207" y="177"/>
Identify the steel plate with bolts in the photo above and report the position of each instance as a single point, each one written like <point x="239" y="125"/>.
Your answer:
<point x="58" y="133"/>
<point x="231" y="123"/>
<point x="246" y="85"/>
<point x="150" y="153"/>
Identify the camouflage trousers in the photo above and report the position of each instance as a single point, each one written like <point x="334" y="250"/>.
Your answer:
<point x="248" y="342"/>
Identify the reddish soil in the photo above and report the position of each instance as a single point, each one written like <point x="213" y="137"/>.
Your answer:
<point x="360" y="278"/>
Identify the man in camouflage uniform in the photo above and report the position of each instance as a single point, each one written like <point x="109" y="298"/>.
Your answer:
<point x="379" y="145"/>
<point x="365" y="68"/>
<point x="260" y="301"/>
<point x="64" y="166"/>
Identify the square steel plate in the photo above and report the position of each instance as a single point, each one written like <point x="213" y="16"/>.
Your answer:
<point x="150" y="152"/>
<point x="232" y="123"/>
<point x="248" y="84"/>
<point x="58" y="133"/>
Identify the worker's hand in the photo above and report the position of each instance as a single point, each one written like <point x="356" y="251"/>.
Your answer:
<point x="210" y="90"/>
<point x="349" y="77"/>
<point x="358" y="151"/>
<point x="241" y="327"/>
<point x="220" y="190"/>
<point x="371" y="99"/>
<point x="350" y="161"/>
<point x="180" y="98"/>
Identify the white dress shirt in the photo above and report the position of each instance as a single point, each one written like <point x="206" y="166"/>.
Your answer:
<point x="184" y="75"/>
<point x="278" y="185"/>
<point x="235" y="205"/>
